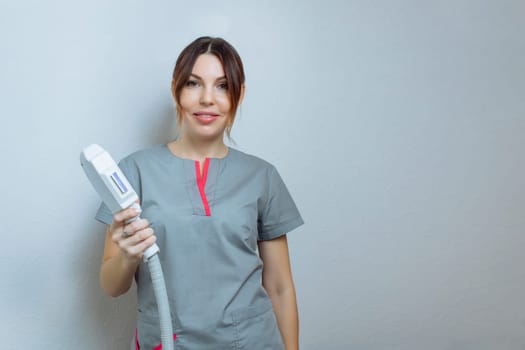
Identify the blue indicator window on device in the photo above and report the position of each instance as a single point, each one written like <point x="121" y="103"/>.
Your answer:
<point x="116" y="179"/>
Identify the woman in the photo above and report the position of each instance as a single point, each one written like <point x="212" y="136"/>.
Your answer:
<point x="219" y="216"/>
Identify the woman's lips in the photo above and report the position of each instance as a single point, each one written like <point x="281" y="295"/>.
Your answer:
<point x="206" y="118"/>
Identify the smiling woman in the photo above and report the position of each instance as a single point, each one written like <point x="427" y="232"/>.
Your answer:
<point x="220" y="218"/>
<point x="231" y="81"/>
<point x="204" y="107"/>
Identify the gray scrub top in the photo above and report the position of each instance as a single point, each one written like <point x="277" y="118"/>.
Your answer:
<point x="207" y="228"/>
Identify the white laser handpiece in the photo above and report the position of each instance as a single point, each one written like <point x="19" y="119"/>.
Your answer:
<point x="117" y="193"/>
<point x="111" y="184"/>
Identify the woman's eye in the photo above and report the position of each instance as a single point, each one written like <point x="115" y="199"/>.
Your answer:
<point x="223" y="86"/>
<point x="192" y="83"/>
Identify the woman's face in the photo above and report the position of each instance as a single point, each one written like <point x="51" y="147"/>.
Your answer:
<point x="205" y="101"/>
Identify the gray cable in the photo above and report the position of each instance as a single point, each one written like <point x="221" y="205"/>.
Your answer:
<point x="161" y="295"/>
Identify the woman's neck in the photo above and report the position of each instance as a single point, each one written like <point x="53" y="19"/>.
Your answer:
<point x="185" y="147"/>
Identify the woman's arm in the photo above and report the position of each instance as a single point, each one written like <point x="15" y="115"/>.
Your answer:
<point x="123" y="253"/>
<point x="278" y="282"/>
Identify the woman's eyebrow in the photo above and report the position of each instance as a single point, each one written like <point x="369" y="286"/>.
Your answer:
<point x="197" y="77"/>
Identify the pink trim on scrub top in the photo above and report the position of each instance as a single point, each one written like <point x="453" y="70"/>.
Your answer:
<point x="201" y="183"/>
<point x="158" y="347"/>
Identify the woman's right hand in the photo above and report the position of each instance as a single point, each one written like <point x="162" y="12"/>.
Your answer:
<point x="132" y="238"/>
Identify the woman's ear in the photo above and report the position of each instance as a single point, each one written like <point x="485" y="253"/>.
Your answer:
<point x="241" y="97"/>
<point x="177" y="107"/>
<point x="173" y="90"/>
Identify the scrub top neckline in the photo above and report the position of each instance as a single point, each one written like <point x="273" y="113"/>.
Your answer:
<point x="193" y="160"/>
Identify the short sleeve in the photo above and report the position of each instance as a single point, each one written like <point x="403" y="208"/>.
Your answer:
<point x="279" y="214"/>
<point x="104" y="215"/>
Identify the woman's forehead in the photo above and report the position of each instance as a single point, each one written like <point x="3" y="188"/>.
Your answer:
<point x="208" y="66"/>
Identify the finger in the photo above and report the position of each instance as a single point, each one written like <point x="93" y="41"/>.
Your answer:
<point x="138" y="249"/>
<point x="126" y="241"/>
<point x="142" y="235"/>
<point x="135" y="226"/>
<point x="123" y="215"/>
<point x="117" y="234"/>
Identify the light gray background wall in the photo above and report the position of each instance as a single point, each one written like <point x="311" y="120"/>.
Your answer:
<point x="397" y="125"/>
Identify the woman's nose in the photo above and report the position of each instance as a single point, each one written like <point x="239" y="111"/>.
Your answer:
<point x="207" y="96"/>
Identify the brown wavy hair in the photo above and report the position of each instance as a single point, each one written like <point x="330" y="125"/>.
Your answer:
<point x="231" y="63"/>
